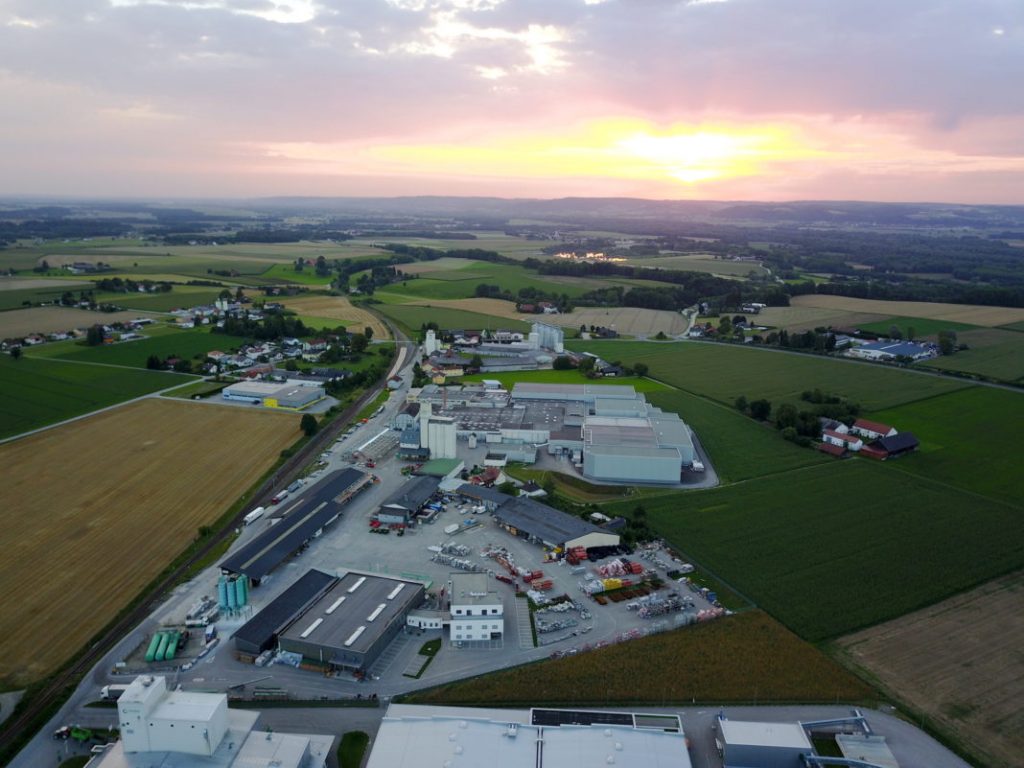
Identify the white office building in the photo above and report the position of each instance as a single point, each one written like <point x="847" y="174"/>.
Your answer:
<point x="476" y="609"/>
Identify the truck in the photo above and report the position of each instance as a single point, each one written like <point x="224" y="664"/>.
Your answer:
<point x="112" y="692"/>
<point x="253" y="516"/>
<point x="294" y="486"/>
<point x="450" y="529"/>
<point x="697" y="465"/>
<point x="280" y="496"/>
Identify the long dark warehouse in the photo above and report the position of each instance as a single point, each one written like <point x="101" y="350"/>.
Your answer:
<point x="302" y="520"/>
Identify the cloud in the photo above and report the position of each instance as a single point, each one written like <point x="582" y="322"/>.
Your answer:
<point x="874" y="90"/>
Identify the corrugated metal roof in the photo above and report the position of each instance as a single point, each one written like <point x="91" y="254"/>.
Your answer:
<point x="546" y="523"/>
<point x="258" y="633"/>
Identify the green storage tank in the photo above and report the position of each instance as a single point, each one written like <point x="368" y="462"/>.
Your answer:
<point x="164" y="639"/>
<point x="172" y="646"/>
<point x="153" y="645"/>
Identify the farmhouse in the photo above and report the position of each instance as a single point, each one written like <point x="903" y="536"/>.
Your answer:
<point x="351" y="622"/>
<point x="412" y="736"/>
<point x="841" y="439"/>
<point x="891" y="446"/>
<point x="872" y="430"/>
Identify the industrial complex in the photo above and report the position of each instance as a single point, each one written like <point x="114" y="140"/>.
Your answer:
<point x="294" y="394"/>
<point x="610" y="432"/>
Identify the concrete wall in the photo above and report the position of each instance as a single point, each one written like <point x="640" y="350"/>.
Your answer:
<point x="626" y="468"/>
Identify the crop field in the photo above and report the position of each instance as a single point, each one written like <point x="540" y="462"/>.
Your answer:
<point x="41" y="392"/>
<point x="461" y="282"/>
<point x="799" y="318"/>
<point x="509" y="379"/>
<point x="449" y="315"/>
<point x="173" y="342"/>
<point x="959" y="313"/>
<point x="626" y="320"/>
<point x="969" y="439"/>
<point x="180" y="297"/>
<point x="16" y="298"/>
<point x="833" y="548"/>
<point x="699" y="262"/>
<point x="28" y="283"/>
<point x="285" y="273"/>
<point x="915" y="327"/>
<point x="337" y="308"/>
<point x="444" y="264"/>
<point x="101" y="505"/>
<point x="741" y="658"/>
<point x="508" y="245"/>
<point x="22" y="322"/>
<point x="1014" y="326"/>
<point x="723" y="372"/>
<point x="959" y="662"/>
<point x="739" y="447"/>
<point x="993" y="352"/>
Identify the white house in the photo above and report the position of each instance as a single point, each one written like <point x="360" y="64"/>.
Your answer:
<point x="476" y="610"/>
<point x="842" y="439"/>
<point x="872" y="430"/>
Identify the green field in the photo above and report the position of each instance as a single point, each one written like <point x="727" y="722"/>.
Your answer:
<point x="413" y="318"/>
<point x="509" y="379"/>
<point x="461" y="283"/>
<point x="969" y="439"/>
<point x="16" y="298"/>
<point x="922" y="327"/>
<point x="832" y="548"/>
<point x="739" y="447"/>
<point x="1013" y="326"/>
<point x="170" y="342"/>
<point x="40" y="392"/>
<point x="743" y="658"/>
<point x="285" y="273"/>
<point x="994" y="353"/>
<point x="724" y="372"/>
<point x="180" y="297"/>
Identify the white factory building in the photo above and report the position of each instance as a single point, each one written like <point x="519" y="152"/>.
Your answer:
<point x="181" y="729"/>
<point x="437" y="433"/>
<point x="469" y="737"/>
<point x="477" y="612"/>
<point x="293" y="394"/>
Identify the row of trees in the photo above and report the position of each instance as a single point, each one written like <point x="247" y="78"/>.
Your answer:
<point x="801" y="425"/>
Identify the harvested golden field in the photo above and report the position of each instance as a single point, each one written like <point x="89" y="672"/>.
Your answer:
<point x="20" y="283"/>
<point x="22" y="322"/>
<point x="92" y="511"/>
<point x="746" y="657"/>
<point x="960" y="663"/>
<point x="337" y="308"/>
<point x="801" y="318"/>
<point x="958" y="313"/>
<point x="494" y="307"/>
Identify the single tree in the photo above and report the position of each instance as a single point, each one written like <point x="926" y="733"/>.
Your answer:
<point x="154" y="363"/>
<point x="308" y="424"/>
<point x="640" y="369"/>
<point x="368" y="333"/>
<point x="741" y="404"/>
<point x="895" y="332"/>
<point x="16" y="353"/>
<point x="761" y="409"/>
<point x="359" y="343"/>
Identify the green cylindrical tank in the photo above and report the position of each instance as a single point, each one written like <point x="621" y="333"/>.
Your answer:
<point x="153" y="644"/>
<point x="239" y="586"/>
<point x="162" y="647"/>
<point x="172" y="646"/>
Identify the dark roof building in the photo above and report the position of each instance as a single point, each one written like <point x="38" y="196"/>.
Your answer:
<point x="352" y="621"/>
<point x="489" y="497"/>
<point x="533" y="520"/>
<point x="895" y="445"/>
<point x="317" y="508"/>
<point x="402" y="505"/>
<point x="260" y="632"/>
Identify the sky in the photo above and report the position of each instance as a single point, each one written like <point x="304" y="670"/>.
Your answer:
<point x="889" y="100"/>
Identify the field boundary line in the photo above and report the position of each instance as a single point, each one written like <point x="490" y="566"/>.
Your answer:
<point x="958" y="489"/>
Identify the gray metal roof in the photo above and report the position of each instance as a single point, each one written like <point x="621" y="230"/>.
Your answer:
<point x="413" y="494"/>
<point x="546" y="523"/>
<point x="482" y="493"/>
<point x="259" y="632"/>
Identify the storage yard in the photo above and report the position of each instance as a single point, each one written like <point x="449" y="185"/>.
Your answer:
<point x="79" y="526"/>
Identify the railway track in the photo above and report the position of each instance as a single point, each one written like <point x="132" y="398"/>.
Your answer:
<point x="14" y="731"/>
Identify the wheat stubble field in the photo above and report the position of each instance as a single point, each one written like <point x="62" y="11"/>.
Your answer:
<point x="92" y="511"/>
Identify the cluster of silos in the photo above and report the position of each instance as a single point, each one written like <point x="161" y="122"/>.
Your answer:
<point x="163" y="646"/>
<point x="232" y="593"/>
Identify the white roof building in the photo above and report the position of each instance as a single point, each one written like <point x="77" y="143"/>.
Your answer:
<point x="182" y="729"/>
<point x="466" y="737"/>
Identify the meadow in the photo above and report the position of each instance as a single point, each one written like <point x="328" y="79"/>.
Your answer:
<point x="324" y="311"/>
<point x="163" y="343"/>
<point x="115" y="489"/>
<point x="180" y="297"/>
<point x="414" y="316"/>
<point x="509" y="378"/>
<point x="723" y="372"/>
<point x="42" y="392"/>
<point x="915" y="327"/>
<point x="699" y="262"/>
<point x="461" y="282"/>
<point x="832" y="548"/>
<point x="992" y="352"/>
<point x="969" y="438"/>
<point x="740" y="658"/>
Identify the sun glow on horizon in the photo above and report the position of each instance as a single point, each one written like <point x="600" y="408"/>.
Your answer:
<point x="626" y="149"/>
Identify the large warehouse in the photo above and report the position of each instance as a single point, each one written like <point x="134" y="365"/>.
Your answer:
<point x="293" y="395"/>
<point x="525" y="517"/>
<point x="260" y="633"/>
<point x="466" y="737"/>
<point x="351" y="622"/>
<point x="299" y="522"/>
